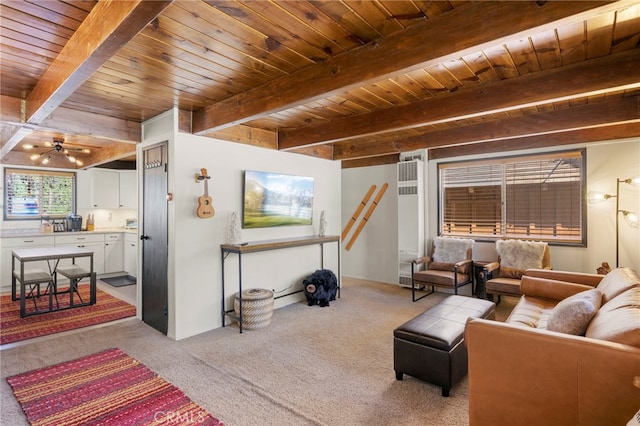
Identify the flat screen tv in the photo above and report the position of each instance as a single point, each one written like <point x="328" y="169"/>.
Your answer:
<point x="275" y="199"/>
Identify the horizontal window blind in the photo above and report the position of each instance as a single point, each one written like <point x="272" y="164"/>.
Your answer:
<point x="32" y="194"/>
<point x="537" y="197"/>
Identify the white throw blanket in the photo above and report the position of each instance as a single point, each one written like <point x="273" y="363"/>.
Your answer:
<point x="451" y="250"/>
<point x="519" y="254"/>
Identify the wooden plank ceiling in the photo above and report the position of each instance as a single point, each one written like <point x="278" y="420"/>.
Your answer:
<point x="353" y="81"/>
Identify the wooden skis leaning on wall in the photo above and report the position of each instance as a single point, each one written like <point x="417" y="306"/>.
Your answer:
<point x="353" y="219"/>
<point x="367" y="215"/>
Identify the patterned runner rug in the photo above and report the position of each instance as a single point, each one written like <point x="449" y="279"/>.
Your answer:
<point x="109" y="387"/>
<point x="14" y="329"/>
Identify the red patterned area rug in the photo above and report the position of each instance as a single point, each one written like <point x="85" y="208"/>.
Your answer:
<point x="14" y="329"/>
<point x="107" y="388"/>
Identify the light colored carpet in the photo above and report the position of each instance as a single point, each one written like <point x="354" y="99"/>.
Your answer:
<point x="311" y="365"/>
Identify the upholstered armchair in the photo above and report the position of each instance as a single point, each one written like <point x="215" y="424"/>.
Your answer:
<point x="503" y="276"/>
<point x="448" y="266"/>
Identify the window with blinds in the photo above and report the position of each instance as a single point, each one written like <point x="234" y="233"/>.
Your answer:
<point x="533" y="197"/>
<point x="32" y="194"/>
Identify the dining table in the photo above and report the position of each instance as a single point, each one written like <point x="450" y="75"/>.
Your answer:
<point x="25" y="273"/>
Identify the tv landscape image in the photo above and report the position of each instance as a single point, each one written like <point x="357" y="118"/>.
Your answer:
<point x="274" y="199"/>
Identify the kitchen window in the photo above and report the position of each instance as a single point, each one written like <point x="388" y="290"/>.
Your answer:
<point x="536" y="197"/>
<point x="34" y="194"/>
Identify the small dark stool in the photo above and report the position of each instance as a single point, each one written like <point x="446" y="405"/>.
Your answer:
<point x="430" y="347"/>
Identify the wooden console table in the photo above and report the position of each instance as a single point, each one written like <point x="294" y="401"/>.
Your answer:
<point x="257" y="246"/>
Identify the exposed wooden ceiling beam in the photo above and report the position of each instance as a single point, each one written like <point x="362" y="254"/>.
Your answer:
<point x="107" y="28"/>
<point x="597" y="76"/>
<point x="90" y="124"/>
<point x="610" y="133"/>
<point x="601" y="113"/>
<point x="372" y="161"/>
<point x="599" y="134"/>
<point x="464" y="30"/>
<point x="110" y="153"/>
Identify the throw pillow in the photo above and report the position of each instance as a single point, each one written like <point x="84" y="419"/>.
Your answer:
<point x="573" y="314"/>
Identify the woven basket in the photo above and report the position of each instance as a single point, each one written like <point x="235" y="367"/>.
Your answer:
<point x="257" y="308"/>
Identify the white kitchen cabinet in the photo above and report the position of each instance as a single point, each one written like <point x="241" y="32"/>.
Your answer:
<point x="128" y="192"/>
<point x="113" y="252"/>
<point x="107" y="189"/>
<point x="9" y="244"/>
<point x="131" y="254"/>
<point x="93" y="242"/>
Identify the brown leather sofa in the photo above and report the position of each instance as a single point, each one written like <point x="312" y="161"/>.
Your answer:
<point x="521" y="373"/>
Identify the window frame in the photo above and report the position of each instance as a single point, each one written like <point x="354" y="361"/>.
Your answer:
<point x="579" y="241"/>
<point x="7" y="170"/>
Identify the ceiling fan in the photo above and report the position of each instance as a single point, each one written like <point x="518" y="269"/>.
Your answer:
<point x="56" y="147"/>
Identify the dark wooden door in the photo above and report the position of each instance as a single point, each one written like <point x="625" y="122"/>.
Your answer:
<point x="154" y="239"/>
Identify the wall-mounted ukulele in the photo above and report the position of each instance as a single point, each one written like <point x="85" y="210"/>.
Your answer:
<point x="205" y="208"/>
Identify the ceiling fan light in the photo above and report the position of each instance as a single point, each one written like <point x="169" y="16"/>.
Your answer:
<point x="86" y="151"/>
<point x="46" y="159"/>
<point x="34" y="157"/>
<point x="27" y="146"/>
<point x="79" y="163"/>
<point x="71" y="158"/>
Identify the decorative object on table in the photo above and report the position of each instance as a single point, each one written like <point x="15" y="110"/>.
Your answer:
<point x="604" y="269"/>
<point x="320" y="288"/>
<point x="14" y="329"/>
<point x="205" y="208"/>
<point x="235" y="234"/>
<point x="257" y="308"/>
<point x="323" y="224"/>
<point x="108" y="387"/>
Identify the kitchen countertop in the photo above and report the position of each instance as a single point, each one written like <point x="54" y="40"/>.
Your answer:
<point x="35" y="232"/>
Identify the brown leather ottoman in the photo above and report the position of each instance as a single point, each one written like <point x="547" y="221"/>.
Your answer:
<point x="430" y="347"/>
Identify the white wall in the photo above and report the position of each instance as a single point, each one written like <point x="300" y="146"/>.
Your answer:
<point x="605" y="163"/>
<point x="374" y="254"/>
<point x="194" y="260"/>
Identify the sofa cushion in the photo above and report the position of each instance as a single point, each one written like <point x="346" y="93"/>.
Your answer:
<point x="573" y="314"/>
<point x="516" y="256"/>
<point x="442" y="266"/>
<point x="618" y="281"/>
<point x="618" y="320"/>
<point x="531" y="312"/>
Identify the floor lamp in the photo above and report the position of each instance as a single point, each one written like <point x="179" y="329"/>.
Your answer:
<point x="632" y="218"/>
